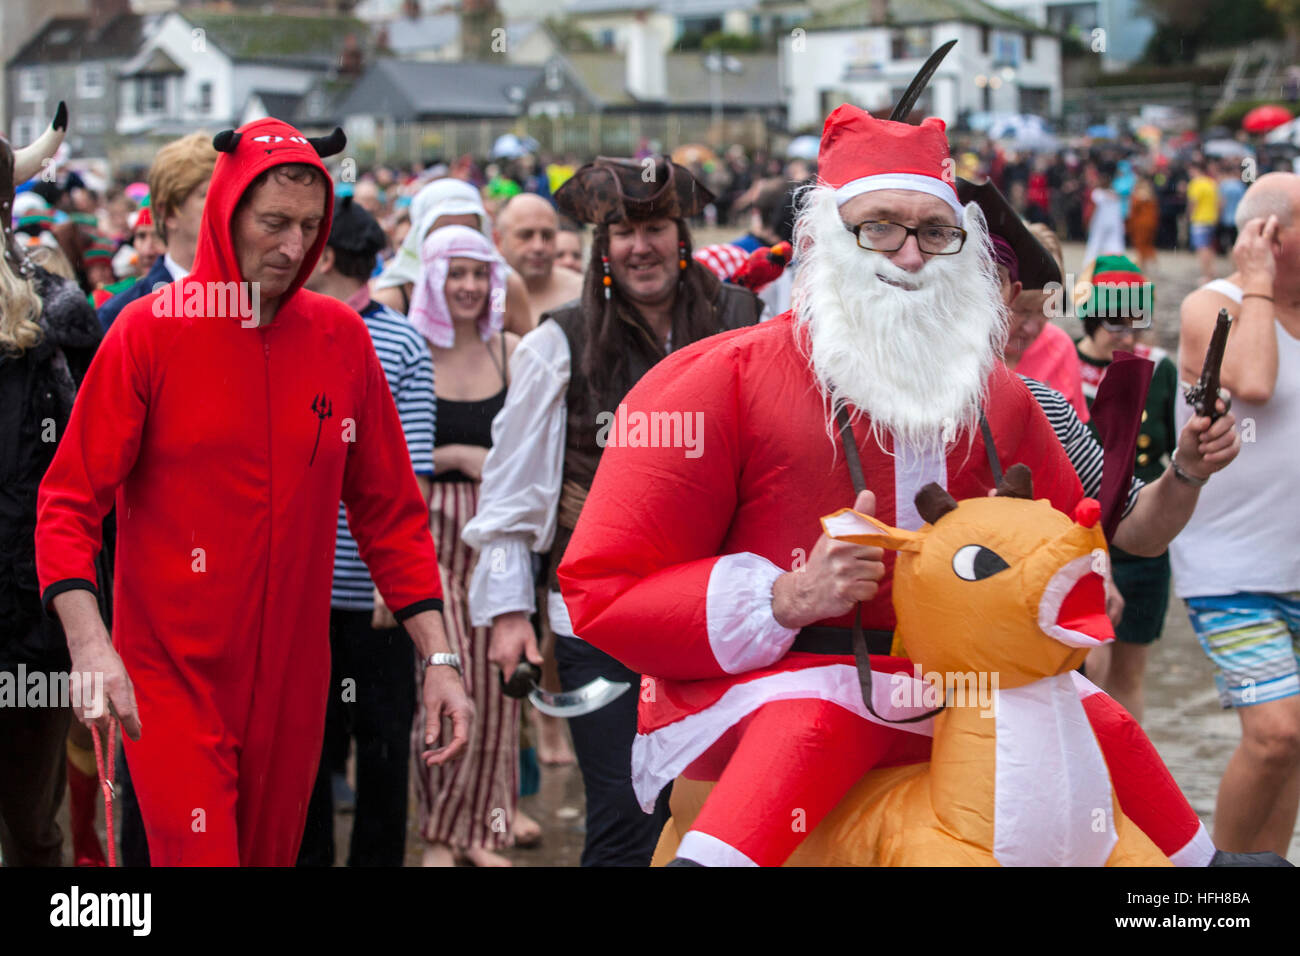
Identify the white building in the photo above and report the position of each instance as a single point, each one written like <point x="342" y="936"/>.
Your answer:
<point x="198" y="69"/>
<point x="1115" y="30"/>
<point x="1001" y="63"/>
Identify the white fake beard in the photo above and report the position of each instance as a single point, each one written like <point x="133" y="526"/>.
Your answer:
<point x="916" y="360"/>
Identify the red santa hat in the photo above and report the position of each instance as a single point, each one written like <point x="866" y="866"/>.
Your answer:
<point x="860" y="154"/>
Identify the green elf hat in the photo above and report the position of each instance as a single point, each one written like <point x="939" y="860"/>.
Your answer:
<point x="100" y="248"/>
<point x="1119" y="296"/>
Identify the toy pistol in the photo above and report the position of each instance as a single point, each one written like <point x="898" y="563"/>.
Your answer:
<point x="1204" y="394"/>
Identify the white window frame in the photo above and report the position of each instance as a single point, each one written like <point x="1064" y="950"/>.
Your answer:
<point x="27" y="82"/>
<point x="88" y="90"/>
<point x="24" y="130"/>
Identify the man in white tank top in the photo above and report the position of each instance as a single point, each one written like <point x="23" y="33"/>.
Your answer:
<point x="1237" y="563"/>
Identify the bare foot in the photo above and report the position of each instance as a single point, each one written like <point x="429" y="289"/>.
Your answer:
<point x="438" y="854"/>
<point x="481" y="856"/>
<point x="528" y="832"/>
<point x="553" y="748"/>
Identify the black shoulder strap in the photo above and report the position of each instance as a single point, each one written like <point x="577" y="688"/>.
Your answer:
<point x="995" y="465"/>
<point x="861" y="654"/>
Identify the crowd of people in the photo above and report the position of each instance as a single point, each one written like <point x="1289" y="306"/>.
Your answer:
<point x="337" y="513"/>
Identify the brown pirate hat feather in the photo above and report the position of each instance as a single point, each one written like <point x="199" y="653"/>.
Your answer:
<point x="611" y="190"/>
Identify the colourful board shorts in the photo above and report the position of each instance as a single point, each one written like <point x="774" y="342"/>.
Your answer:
<point x="1202" y="235"/>
<point x="1254" y="641"/>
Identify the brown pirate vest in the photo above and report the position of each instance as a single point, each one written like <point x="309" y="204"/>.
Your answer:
<point x="733" y="308"/>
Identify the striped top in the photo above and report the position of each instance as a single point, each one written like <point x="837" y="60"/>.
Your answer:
<point x="1081" y="446"/>
<point x="409" y="368"/>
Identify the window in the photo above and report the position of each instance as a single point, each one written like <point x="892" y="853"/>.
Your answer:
<point x="25" y="130"/>
<point x="90" y="81"/>
<point x="205" y="96"/>
<point x="1006" y="49"/>
<point x="984" y="40"/>
<point x="910" y="43"/>
<point x="1029" y="47"/>
<point x="31" y="84"/>
<point x="605" y="39"/>
<point x="1036" y="100"/>
<point x="150" y="94"/>
<point x="91" y="122"/>
<point x="155" y="95"/>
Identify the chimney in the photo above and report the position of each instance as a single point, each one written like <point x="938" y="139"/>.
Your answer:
<point x="645" y="63"/>
<point x="104" y="12"/>
<point x="479" y="19"/>
<point x="879" y="12"/>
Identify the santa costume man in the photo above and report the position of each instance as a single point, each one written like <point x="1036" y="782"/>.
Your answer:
<point x="227" y="414"/>
<point x="708" y="571"/>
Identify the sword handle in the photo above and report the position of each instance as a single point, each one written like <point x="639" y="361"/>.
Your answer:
<point x="523" y="680"/>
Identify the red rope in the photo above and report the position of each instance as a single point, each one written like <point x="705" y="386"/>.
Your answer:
<point x="106" y="781"/>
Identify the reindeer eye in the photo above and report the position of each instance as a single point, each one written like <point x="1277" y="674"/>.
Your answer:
<point x="975" y="563"/>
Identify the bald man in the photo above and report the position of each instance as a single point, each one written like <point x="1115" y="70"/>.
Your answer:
<point x="525" y="232"/>
<point x="1237" y="563"/>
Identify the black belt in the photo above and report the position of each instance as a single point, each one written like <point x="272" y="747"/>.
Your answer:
<point x="839" y="640"/>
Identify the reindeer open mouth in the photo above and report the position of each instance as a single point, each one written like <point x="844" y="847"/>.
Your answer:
<point x="1073" y="606"/>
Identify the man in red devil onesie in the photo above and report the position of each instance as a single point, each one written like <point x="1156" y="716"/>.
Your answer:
<point x="684" y="566"/>
<point x="227" y="414"/>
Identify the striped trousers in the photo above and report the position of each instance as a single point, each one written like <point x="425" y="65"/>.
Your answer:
<point x="471" y="801"/>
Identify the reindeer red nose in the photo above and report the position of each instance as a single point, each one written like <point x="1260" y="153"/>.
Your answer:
<point x="1087" y="512"/>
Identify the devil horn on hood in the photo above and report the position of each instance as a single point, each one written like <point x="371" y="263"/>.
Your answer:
<point x="28" y="159"/>
<point x="329" y="145"/>
<point x="226" y="141"/>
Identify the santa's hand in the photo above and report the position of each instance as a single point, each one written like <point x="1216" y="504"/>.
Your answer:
<point x="1205" y="447"/>
<point x="837" y="576"/>
<point x="444" y="697"/>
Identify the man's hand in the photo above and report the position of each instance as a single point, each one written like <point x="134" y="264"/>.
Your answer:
<point x="381" y="619"/>
<point x="837" y="576"/>
<point x="1255" y="254"/>
<point x="513" y="638"/>
<point x="92" y="653"/>
<point x="444" y="697"/>
<point x="1114" y="602"/>
<point x="1204" y="448"/>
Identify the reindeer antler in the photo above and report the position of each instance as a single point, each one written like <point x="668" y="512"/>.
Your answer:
<point x="1017" y="482"/>
<point x="933" y="502"/>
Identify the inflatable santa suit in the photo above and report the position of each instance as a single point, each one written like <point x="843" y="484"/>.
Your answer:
<point x="673" y="563"/>
<point x="228" y="445"/>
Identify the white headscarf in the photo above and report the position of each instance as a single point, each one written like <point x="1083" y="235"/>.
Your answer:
<point x="429" y="313"/>
<point x="442" y="197"/>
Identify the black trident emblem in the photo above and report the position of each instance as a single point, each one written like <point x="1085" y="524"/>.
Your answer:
<point x="323" y="409"/>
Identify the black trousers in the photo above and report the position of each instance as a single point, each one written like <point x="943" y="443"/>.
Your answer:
<point x="135" y="845"/>
<point x="372" y="695"/>
<point x="33" y="776"/>
<point x="618" y="832"/>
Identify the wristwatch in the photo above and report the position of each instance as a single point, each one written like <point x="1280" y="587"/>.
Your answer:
<point x="451" y="660"/>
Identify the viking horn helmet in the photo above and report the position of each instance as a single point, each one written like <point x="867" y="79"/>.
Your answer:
<point x="28" y="159"/>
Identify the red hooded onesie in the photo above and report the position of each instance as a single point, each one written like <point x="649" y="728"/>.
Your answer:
<point x="227" y="449"/>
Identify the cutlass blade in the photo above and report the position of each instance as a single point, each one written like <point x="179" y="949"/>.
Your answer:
<point x="575" y="703"/>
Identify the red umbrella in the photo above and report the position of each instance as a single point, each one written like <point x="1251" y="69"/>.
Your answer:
<point x="1264" y="118"/>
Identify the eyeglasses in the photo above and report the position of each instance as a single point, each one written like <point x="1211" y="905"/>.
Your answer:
<point x="884" y="236"/>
